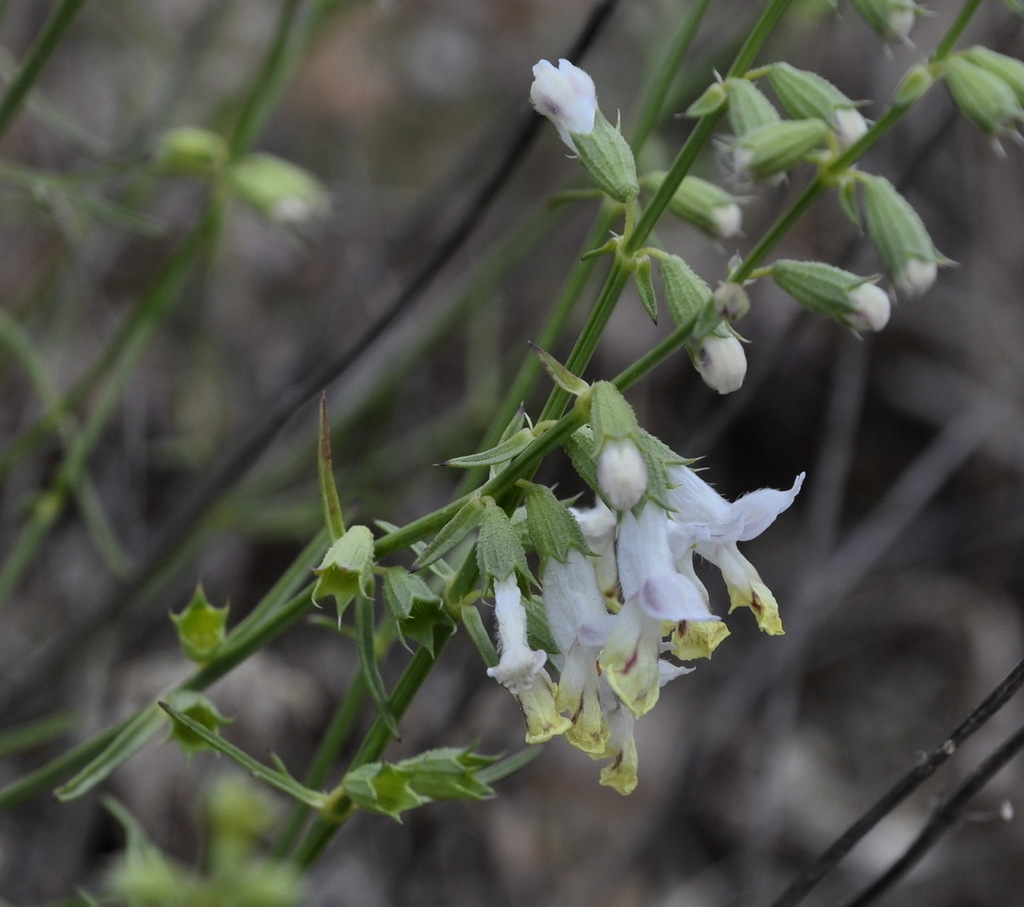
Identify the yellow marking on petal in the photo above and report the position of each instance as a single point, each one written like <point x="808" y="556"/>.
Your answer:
<point x="697" y="639"/>
<point x="761" y="601"/>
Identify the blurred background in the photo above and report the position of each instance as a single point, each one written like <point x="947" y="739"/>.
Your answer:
<point x="899" y="570"/>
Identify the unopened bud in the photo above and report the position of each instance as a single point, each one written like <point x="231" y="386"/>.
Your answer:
<point x="278" y="189"/>
<point x="900" y="236"/>
<point x="749" y="109"/>
<point x="191" y="151"/>
<point x="731" y="301"/>
<point x="721" y="362"/>
<point x="704" y="205"/>
<point x="851" y="300"/>
<point x="622" y="474"/>
<point x="1009" y="69"/>
<point x="686" y="293"/>
<point x="772" y="149"/>
<point x="982" y="95"/>
<point x="892" y="19"/>
<point x="806" y="95"/>
<point x="913" y="86"/>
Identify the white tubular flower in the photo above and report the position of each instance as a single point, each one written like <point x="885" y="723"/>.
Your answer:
<point x="702" y="513"/>
<point x="622" y="473"/>
<point x="578" y="622"/>
<point x="521" y="669"/>
<point x="598" y="524"/>
<point x="566" y="96"/>
<point x="871" y="308"/>
<point x="621" y="773"/>
<point x="722" y="363"/>
<point x="653" y="592"/>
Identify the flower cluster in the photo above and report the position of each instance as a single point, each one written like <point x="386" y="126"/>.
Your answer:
<point x="624" y="606"/>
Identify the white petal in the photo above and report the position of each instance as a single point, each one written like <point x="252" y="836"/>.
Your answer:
<point x="757" y="510"/>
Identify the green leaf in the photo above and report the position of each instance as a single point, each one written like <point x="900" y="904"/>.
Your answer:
<point x="645" y="288"/>
<point x="200" y="709"/>
<point x="366" y="644"/>
<point x="328" y="489"/>
<point x="448" y="773"/>
<point x="558" y="373"/>
<point x="504" y="452"/>
<point x="276" y="778"/>
<point x="452" y="533"/>
<point x="133" y="736"/>
<point x="509" y="765"/>
<point x="499" y="552"/>
<point x="414" y="607"/>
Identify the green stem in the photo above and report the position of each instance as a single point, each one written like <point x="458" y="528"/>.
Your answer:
<point x="945" y="47"/>
<point x="45" y="44"/>
<point x="373" y="747"/>
<point x="334" y="739"/>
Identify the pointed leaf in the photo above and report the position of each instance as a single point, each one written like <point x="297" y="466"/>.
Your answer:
<point x="504" y="452"/>
<point x="135" y="734"/>
<point x="281" y="780"/>
<point x="452" y="533"/>
<point x="558" y="373"/>
<point x="328" y="489"/>
<point x="645" y="287"/>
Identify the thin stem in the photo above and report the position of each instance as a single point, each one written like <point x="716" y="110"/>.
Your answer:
<point x="943" y="818"/>
<point x="945" y="47"/>
<point x="809" y="877"/>
<point x="373" y="746"/>
<point x="45" y="44"/>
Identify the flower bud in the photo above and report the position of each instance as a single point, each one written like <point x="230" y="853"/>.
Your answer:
<point x="721" y="362"/>
<point x="806" y="95"/>
<point x="913" y="86"/>
<point x="686" y="294"/>
<point x="621" y="469"/>
<point x="566" y="96"/>
<point x="704" y="205"/>
<point x="278" y="189"/>
<point x="1009" y="69"/>
<point x="851" y="300"/>
<point x="347" y="569"/>
<point x="200" y="627"/>
<point x="982" y="95"/>
<point x="622" y="473"/>
<point x="774" y="148"/>
<point x="748" y="107"/>
<point x="191" y="151"/>
<point x="892" y="19"/>
<point x="607" y="156"/>
<point x="900" y="236"/>
<point x="731" y="301"/>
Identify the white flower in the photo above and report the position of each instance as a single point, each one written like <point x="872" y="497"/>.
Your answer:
<point x="578" y="621"/>
<point x="722" y="363"/>
<point x="566" y="96"/>
<point x="521" y="669"/>
<point x="653" y="592"/>
<point x="621" y="473"/>
<point x="871" y="308"/>
<point x="716" y="526"/>
<point x="598" y="524"/>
